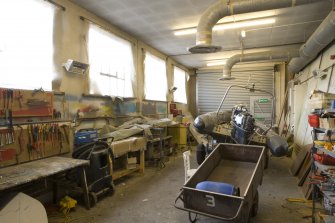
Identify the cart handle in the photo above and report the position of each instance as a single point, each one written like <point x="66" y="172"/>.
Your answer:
<point x="180" y="197"/>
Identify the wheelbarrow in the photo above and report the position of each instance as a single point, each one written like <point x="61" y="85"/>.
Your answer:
<point x="235" y="165"/>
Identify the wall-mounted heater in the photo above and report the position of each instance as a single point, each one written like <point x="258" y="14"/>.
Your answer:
<point x="76" y="67"/>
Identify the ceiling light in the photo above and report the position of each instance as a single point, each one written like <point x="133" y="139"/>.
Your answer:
<point x="183" y="32"/>
<point x="216" y="63"/>
<point x="236" y="25"/>
<point x="224" y="26"/>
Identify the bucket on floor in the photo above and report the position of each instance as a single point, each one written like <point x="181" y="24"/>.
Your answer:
<point x="219" y="187"/>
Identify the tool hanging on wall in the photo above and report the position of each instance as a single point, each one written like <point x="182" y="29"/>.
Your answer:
<point x="6" y="137"/>
<point x="39" y="90"/>
<point x="7" y="96"/>
<point x="4" y="97"/>
<point x="7" y="133"/>
<point x="19" y="96"/>
<point x="42" y="137"/>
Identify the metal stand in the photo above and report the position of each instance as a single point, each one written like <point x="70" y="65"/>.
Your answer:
<point x="160" y="146"/>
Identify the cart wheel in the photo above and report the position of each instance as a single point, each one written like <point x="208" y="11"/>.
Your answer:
<point x="201" y="153"/>
<point x="93" y="199"/>
<point x="111" y="191"/>
<point x="190" y="217"/>
<point x="254" y="208"/>
<point x="246" y="215"/>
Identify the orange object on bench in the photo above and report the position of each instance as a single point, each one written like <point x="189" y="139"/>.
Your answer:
<point x="324" y="159"/>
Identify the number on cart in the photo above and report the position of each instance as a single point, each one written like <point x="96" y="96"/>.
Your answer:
<point x="210" y="201"/>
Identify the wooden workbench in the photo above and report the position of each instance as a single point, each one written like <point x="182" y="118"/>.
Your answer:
<point x="17" y="175"/>
<point x="122" y="148"/>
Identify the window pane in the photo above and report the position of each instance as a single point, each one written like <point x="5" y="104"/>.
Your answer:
<point x="155" y="80"/>
<point x="111" y="64"/>
<point x="180" y="82"/>
<point x="26" y="44"/>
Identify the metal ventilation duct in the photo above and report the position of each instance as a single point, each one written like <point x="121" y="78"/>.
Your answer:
<point x="229" y="7"/>
<point x="271" y="55"/>
<point x="322" y="36"/>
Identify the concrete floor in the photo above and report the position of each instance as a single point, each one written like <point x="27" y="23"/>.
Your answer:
<point x="149" y="198"/>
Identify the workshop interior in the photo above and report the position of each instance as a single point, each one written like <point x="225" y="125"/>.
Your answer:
<point x="167" y="111"/>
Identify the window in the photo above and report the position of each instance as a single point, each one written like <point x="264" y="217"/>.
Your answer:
<point x="179" y="78"/>
<point x="26" y="44"/>
<point x="111" y="63"/>
<point x="155" y="80"/>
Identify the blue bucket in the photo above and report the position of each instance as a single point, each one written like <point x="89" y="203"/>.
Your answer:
<point x="219" y="187"/>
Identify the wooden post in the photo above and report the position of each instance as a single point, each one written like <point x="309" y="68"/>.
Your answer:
<point x="142" y="162"/>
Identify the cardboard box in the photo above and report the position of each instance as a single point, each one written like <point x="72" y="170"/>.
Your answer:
<point x="321" y="100"/>
<point x="327" y="123"/>
<point x="131" y="163"/>
<point x="131" y="144"/>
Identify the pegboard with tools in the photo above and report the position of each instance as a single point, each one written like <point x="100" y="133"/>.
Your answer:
<point x="30" y="127"/>
<point x="26" y="103"/>
<point x="33" y="141"/>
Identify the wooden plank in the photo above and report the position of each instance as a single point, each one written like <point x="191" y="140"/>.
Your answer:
<point x="307" y="188"/>
<point x="121" y="173"/>
<point x="296" y="165"/>
<point x="305" y="168"/>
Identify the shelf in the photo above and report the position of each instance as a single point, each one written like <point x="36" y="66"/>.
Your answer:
<point x="330" y="153"/>
<point x="37" y="122"/>
<point x="121" y="173"/>
<point x="322" y="130"/>
<point x="158" y="139"/>
<point x="322" y="167"/>
<point x="330" y="195"/>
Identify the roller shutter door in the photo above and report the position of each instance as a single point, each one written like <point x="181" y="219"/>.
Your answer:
<point x="210" y="90"/>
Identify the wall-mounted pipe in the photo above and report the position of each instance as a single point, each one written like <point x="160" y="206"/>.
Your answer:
<point x="252" y="57"/>
<point x="322" y="36"/>
<point x="224" y="8"/>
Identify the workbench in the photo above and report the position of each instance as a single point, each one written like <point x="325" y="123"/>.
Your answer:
<point x="13" y="176"/>
<point x="121" y="149"/>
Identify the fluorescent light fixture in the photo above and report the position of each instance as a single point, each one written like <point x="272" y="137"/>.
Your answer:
<point x="236" y="25"/>
<point x="216" y="63"/>
<point x="183" y="32"/>
<point x="224" y="26"/>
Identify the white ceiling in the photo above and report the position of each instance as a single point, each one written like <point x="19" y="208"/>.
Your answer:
<point x="154" y="21"/>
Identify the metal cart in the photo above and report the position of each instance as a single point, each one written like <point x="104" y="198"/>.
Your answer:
<point x="238" y="165"/>
<point x="98" y="176"/>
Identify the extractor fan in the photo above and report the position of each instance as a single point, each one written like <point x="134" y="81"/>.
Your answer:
<point x="76" y="67"/>
<point x="317" y="73"/>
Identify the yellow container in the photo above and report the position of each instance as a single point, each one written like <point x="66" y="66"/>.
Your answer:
<point x="179" y="134"/>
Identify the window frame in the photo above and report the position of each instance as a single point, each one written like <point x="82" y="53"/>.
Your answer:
<point x="178" y="87"/>
<point x="113" y="78"/>
<point x="151" y="56"/>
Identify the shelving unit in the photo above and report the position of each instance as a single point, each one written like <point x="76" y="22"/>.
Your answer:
<point x="329" y="194"/>
<point x="158" y="148"/>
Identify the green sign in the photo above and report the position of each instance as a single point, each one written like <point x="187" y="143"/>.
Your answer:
<point x="263" y="100"/>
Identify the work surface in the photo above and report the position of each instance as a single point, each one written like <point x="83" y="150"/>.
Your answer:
<point x="27" y="172"/>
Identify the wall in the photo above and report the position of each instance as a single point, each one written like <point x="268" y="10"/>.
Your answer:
<point x="69" y="43"/>
<point x="302" y="92"/>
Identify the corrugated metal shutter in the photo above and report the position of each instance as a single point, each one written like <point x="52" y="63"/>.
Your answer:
<point x="210" y="90"/>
